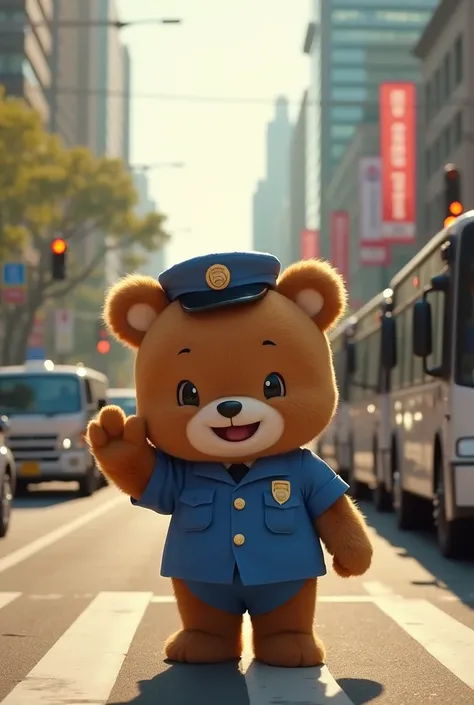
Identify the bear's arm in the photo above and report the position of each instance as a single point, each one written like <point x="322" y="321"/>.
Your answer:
<point x="337" y="521"/>
<point x="163" y="487"/>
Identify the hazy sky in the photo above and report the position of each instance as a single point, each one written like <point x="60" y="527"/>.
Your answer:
<point x="228" y="50"/>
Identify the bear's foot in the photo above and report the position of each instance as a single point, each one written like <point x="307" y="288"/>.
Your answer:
<point x="291" y="650"/>
<point x="192" y="646"/>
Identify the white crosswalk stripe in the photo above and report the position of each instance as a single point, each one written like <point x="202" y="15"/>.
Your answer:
<point x="84" y="664"/>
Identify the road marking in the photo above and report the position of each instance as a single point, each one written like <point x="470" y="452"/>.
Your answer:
<point x="267" y="685"/>
<point x="7" y="597"/>
<point x="442" y="636"/>
<point x="22" y="554"/>
<point x="83" y="665"/>
<point x="377" y="589"/>
<point x="168" y="599"/>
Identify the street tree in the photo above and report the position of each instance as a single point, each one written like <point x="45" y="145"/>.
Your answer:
<point x="48" y="191"/>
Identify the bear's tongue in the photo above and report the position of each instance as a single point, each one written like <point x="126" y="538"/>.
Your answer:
<point x="235" y="434"/>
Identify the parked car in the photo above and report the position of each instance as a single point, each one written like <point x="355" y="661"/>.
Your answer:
<point x="124" y="398"/>
<point x="7" y="478"/>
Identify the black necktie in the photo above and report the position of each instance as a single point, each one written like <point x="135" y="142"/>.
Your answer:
<point x="238" y="472"/>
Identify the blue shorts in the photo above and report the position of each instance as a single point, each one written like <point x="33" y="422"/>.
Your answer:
<point x="238" y="598"/>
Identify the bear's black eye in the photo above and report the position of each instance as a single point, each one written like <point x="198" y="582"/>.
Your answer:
<point x="274" y="386"/>
<point x="187" y="394"/>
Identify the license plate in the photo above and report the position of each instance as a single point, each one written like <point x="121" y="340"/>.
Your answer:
<point x="29" y="469"/>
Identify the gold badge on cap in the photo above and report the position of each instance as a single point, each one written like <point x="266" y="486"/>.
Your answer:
<point x="281" y="491"/>
<point x="218" y="277"/>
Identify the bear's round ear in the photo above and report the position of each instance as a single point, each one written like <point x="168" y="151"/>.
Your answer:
<point x="317" y="289"/>
<point x="131" y="306"/>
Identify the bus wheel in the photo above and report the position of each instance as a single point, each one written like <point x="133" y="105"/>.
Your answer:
<point x="381" y="498"/>
<point x="407" y="506"/>
<point x="450" y="534"/>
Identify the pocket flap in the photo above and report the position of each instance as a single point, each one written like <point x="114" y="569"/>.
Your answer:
<point x="196" y="497"/>
<point x="293" y="501"/>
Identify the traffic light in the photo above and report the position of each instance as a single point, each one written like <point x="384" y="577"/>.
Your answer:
<point x="58" y="258"/>
<point x="452" y="190"/>
<point x="103" y="342"/>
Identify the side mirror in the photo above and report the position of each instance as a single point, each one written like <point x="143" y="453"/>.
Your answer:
<point x="101" y="403"/>
<point x="351" y="359"/>
<point x="388" y="342"/>
<point x="4" y="424"/>
<point x="422" y="331"/>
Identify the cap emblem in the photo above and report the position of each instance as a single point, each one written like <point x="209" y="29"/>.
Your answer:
<point x="218" y="277"/>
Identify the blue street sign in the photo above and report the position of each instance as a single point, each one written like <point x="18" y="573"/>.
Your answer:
<point x="14" y="274"/>
<point x="35" y="354"/>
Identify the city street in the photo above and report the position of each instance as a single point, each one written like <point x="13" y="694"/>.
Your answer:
<point x="83" y="615"/>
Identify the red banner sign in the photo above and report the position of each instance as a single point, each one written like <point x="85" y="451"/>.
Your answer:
<point x="339" y="230"/>
<point x="397" y="150"/>
<point x="309" y="244"/>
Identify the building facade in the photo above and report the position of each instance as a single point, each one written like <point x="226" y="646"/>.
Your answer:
<point x="26" y="45"/>
<point x="447" y="59"/>
<point x="298" y="181"/>
<point x="272" y="192"/>
<point x="353" y="50"/>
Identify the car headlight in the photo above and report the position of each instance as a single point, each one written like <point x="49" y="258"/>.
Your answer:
<point x="76" y="442"/>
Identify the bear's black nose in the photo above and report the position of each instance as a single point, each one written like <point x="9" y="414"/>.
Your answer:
<point x="229" y="409"/>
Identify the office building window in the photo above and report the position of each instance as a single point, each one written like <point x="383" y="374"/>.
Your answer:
<point x="457" y="130"/>
<point x="374" y="36"/>
<point x="342" y="131"/>
<point x="15" y="16"/>
<point x="337" y="150"/>
<point x="348" y="75"/>
<point x="354" y="94"/>
<point x="447" y="75"/>
<point x="11" y="63"/>
<point x="347" y="56"/>
<point x="351" y="113"/>
<point x="458" y="60"/>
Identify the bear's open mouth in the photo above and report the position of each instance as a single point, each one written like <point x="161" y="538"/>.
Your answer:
<point x="236" y="434"/>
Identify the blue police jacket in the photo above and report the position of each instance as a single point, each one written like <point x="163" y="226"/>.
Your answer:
<point x="263" y="524"/>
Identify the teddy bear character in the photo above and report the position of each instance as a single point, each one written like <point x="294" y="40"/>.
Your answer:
<point x="233" y="375"/>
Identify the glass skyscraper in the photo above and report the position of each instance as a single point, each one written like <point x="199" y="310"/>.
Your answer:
<point x="357" y="45"/>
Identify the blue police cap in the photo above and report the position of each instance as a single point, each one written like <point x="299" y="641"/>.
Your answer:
<point x="216" y="280"/>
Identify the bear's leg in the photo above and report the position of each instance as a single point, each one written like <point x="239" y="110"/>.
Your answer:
<point x="209" y="635"/>
<point x="285" y="637"/>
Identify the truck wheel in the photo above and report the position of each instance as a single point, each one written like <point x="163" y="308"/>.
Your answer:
<point x="451" y="535"/>
<point x="89" y="483"/>
<point x="6" y="500"/>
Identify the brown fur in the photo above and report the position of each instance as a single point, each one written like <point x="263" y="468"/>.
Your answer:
<point x="227" y="358"/>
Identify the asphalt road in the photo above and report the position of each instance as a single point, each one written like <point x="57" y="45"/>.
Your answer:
<point x="83" y="614"/>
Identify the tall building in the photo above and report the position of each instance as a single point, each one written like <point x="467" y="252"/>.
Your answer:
<point x="25" y="49"/>
<point x="352" y="52"/>
<point x="298" y="213"/>
<point x="446" y="52"/>
<point x="272" y="191"/>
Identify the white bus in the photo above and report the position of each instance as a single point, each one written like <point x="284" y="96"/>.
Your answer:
<point x="335" y="443"/>
<point x="432" y="388"/>
<point x="359" y="437"/>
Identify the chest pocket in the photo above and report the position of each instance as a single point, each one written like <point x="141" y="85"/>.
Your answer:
<point x="281" y="518"/>
<point x="196" y="508"/>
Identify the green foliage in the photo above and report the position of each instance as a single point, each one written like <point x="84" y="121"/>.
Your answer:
<point x="47" y="190"/>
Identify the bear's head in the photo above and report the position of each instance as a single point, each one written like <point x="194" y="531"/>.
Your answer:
<point x="236" y="383"/>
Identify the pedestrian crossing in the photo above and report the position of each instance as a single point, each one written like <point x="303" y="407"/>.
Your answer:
<point x="83" y="665"/>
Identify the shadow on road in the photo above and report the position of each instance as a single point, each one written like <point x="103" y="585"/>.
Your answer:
<point x="38" y="497"/>
<point x="220" y="684"/>
<point x="360" y="690"/>
<point x="224" y="684"/>
<point x="448" y="575"/>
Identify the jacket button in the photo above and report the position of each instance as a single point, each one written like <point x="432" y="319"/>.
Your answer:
<point x="239" y="539"/>
<point x="239" y="503"/>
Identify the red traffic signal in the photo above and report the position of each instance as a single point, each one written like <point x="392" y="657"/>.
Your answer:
<point x="58" y="246"/>
<point x="103" y="347"/>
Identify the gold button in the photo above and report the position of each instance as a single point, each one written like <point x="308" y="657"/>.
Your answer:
<point x="239" y="503"/>
<point x="239" y="539"/>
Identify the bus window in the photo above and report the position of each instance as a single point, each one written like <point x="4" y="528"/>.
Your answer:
<point x="465" y="312"/>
